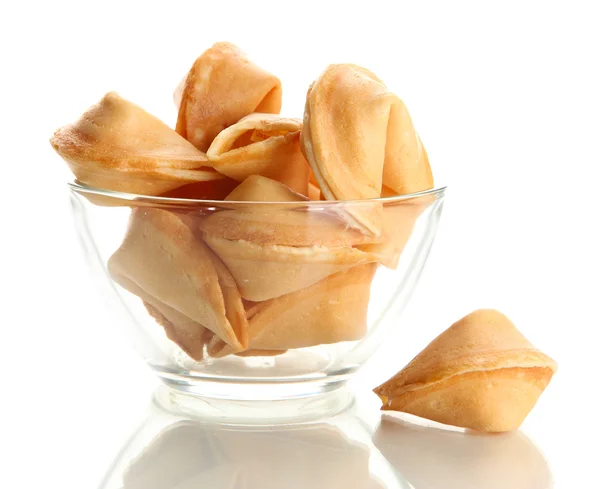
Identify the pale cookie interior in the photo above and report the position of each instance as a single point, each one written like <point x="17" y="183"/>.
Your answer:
<point x="262" y="144"/>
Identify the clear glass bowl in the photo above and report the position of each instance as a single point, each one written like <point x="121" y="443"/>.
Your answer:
<point x="318" y="295"/>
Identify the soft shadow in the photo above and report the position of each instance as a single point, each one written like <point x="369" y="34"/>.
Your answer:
<point x="434" y="458"/>
<point x="171" y="452"/>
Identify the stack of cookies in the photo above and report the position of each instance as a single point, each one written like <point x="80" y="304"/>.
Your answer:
<point x="267" y="277"/>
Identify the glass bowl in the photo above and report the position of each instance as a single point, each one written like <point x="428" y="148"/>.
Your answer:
<point x="255" y="301"/>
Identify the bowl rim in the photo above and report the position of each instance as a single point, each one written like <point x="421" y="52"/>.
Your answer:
<point x="81" y="188"/>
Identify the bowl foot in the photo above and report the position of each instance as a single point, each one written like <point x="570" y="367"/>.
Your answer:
<point x="254" y="403"/>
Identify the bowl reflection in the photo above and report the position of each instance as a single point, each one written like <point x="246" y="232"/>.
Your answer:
<point x="174" y="452"/>
<point x="433" y="458"/>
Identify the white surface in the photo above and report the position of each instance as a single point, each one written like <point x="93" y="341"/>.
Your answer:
<point x="506" y="99"/>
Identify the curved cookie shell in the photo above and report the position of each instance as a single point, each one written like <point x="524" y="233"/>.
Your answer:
<point x="274" y="250"/>
<point x="262" y="144"/>
<point x="330" y="311"/>
<point x="222" y="87"/>
<point x="266" y="272"/>
<point x="398" y="222"/>
<point x="278" y="225"/>
<point x="293" y="227"/>
<point x="187" y="334"/>
<point x="209" y="190"/>
<point x="481" y="374"/>
<point x="256" y="188"/>
<point x="358" y="136"/>
<point x="116" y="145"/>
<point x="161" y="256"/>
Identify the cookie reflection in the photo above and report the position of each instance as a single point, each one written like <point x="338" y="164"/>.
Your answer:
<point x="433" y="458"/>
<point x="188" y="454"/>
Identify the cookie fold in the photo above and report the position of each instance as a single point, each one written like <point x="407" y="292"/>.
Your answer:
<point x="161" y="257"/>
<point x="262" y="144"/>
<point x="330" y="311"/>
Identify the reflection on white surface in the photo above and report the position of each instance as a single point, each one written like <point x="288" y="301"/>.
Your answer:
<point x="174" y="452"/>
<point x="187" y="455"/>
<point x="433" y="458"/>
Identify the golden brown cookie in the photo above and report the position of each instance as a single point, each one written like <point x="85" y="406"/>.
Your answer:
<point x="358" y="136"/>
<point x="481" y="373"/>
<point x="398" y="222"/>
<point x="116" y="145"/>
<point x="162" y="257"/>
<point x="279" y="225"/>
<point x="330" y="311"/>
<point x="222" y="87"/>
<point x="266" y="272"/>
<point x="262" y="189"/>
<point x="209" y="190"/>
<point x="274" y="250"/>
<point x="187" y="334"/>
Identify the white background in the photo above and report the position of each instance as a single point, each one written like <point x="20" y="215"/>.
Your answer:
<point x="506" y="97"/>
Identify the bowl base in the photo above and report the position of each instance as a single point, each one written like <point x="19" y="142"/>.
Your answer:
<point x="254" y="403"/>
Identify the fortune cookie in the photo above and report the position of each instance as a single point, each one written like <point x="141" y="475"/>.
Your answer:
<point x="209" y="190"/>
<point x="262" y="189"/>
<point x="189" y="335"/>
<point x="279" y="225"/>
<point x="161" y="256"/>
<point x="398" y="221"/>
<point x="222" y="87"/>
<point x="181" y="330"/>
<point x="358" y="136"/>
<point x="118" y="146"/>
<point x="481" y="373"/>
<point x="251" y="309"/>
<point x="329" y="311"/>
<point x="314" y="192"/>
<point x="276" y="251"/>
<point x="262" y="144"/>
